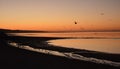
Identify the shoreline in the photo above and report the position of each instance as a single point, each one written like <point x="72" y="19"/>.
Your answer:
<point x="28" y="58"/>
<point x="41" y="43"/>
<point x="68" y="55"/>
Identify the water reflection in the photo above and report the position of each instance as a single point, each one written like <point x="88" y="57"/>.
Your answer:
<point x="103" y="45"/>
<point x="73" y="34"/>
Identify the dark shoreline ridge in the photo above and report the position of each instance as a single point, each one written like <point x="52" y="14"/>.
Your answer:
<point x="15" y="58"/>
<point x="41" y="43"/>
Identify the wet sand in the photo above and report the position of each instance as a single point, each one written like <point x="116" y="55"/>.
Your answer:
<point x="16" y="58"/>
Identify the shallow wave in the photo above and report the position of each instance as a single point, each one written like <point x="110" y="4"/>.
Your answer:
<point x="68" y="55"/>
<point x="91" y="59"/>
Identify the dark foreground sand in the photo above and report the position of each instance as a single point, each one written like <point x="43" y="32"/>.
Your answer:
<point x="15" y="58"/>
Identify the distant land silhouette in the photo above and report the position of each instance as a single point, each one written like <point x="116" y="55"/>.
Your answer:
<point x="20" y="31"/>
<point x="38" y="31"/>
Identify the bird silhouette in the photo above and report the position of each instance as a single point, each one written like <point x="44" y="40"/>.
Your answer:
<point x="75" y="22"/>
<point x="101" y="13"/>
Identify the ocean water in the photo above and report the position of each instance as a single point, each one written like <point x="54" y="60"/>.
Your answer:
<point x="73" y="34"/>
<point x="97" y="41"/>
<point x="102" y="45"/>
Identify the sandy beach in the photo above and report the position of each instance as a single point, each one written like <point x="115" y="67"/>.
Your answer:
<point x="59" y="34"/>
<point x="18" y="58"/>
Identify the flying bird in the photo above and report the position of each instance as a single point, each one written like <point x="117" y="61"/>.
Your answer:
<point x="101" y="13"/>
<point x="75" y="22"/>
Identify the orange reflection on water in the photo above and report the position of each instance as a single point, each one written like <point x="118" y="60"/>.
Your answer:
<point x="103" y="45"/>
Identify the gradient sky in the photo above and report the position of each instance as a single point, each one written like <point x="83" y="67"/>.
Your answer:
<point x="59" y="15"/>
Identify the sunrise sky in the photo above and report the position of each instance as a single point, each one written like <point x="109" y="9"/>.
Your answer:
<point x="59" y="15"/>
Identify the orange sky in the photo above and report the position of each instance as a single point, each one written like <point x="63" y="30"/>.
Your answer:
<point x="59" y="15"/>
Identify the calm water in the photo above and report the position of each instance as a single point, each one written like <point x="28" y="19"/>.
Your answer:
<point x="109" y="42"/>
<point x="102" y="45"/>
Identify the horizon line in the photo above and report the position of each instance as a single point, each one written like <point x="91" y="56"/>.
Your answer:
<point x="18" y="30"/>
